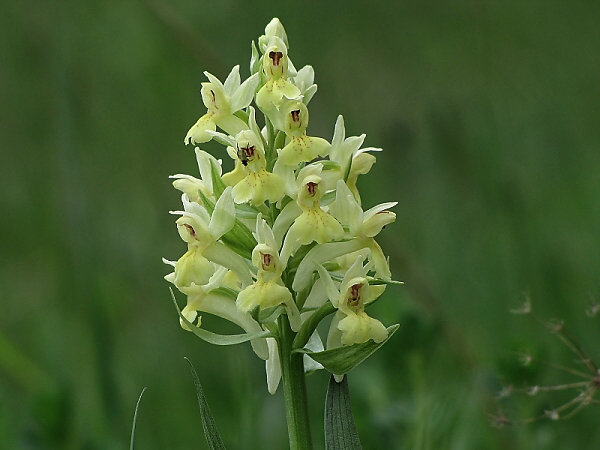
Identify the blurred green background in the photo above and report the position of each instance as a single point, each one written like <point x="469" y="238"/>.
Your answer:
<point x="488" y="115"/>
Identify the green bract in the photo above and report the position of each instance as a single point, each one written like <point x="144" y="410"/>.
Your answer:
<point x="279" y="241"/>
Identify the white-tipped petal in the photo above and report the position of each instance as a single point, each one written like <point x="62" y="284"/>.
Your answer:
<point x="195" y="209"/>
<point x="346" y="209"/>
<point x="339" y="133"/>
<point x="223" y="217"/>
<point x="221" y="254"/>
<point x="245" y="93"/>
<point x="309" y="94"/>
<point x="273" y="367"/>
<point x="284" y="220"/>
<point x="293" y="314"/>
<point x="252" y="121"/>
<point x="356" y="270"/>
<point x="190" y="186"/>
<point x="216" y="279"/>
<point x="373" y="225"/>
<point x="317" y="297"/>
<point x="224" y="138"/>
<point x="214" y="80"/>
<point x="232" y="82"/>
<point x="275" y="28"/>
<point x="377" y="209"/>
<point x="287" y="175"/>
<point x="305" y="78"/>
<point x="382" y="268"/>
<point x="314" y="344"/>
<point x="334" y="336"/>
<point x="332" y="292"/>
<point x="205" y="162"/>
<point x="168" y="262"/>
<point x="265" y="235"/>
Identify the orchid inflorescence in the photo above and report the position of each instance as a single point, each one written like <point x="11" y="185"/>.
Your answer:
<point x="283" y="235"/>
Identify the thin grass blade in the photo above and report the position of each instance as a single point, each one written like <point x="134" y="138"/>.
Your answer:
<point x="137" y="405"/>
<point x="208" y="423"/>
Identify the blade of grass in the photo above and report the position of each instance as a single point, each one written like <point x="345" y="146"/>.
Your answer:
<point x="137" y="405"/>
<point x="208" y="423"/>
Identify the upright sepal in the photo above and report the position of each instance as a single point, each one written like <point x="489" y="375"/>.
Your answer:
<point x="223" y="216"/>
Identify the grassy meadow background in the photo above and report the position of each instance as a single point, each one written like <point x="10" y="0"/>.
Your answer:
<point x="488" y="114"/>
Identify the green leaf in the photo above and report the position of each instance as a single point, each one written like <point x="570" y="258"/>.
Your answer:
<point x="342" y="360"/>
<point x="137" y="405"/>
<point x="208" y="423"/>
<point x="219" y="339"/>
<point x="340" y="428"/>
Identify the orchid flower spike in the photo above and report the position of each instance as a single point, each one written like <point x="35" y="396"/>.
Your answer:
<point x="276" y="236"/>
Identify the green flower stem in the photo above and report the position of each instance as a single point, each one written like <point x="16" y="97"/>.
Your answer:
<point x="294" y="389"/>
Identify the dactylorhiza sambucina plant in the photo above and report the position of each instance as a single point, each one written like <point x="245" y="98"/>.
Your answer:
<point x="280" y="242"/>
